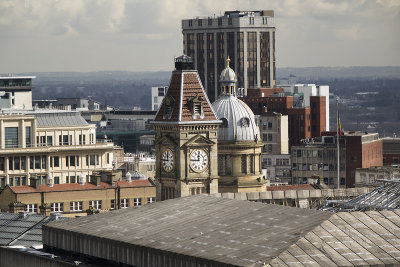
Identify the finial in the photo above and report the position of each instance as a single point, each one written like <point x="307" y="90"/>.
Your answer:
<point x="227" y="62"/>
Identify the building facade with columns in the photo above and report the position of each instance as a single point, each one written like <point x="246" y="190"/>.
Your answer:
<point x="246" y="37"/>
<point x="54" y="146"/>
<point x="239" y="141"/>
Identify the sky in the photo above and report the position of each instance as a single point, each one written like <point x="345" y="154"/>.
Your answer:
<point x="145" y="35"/>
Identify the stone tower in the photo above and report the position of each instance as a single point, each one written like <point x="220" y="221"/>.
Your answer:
<point x="186" y="130"/>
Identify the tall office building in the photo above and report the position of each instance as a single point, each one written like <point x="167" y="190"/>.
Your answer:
<point x="246" y="37"/>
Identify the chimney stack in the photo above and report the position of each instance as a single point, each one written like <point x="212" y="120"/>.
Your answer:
<point x="35" y="182"/>
<point x="81" y="179"/>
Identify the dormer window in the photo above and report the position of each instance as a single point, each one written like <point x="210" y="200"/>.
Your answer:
<point x="224" y="123"/>
<point x="244" y="122"/>
<point x="196" y="107"/>
<point x="168" y="107"/>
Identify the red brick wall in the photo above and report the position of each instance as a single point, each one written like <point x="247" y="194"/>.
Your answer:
<point x="361" y="156"/>
<point x="391" y="158"/>
<point x="318" y="116"/>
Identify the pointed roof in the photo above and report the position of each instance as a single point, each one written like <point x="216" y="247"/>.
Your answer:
<point x="185" y="86"/>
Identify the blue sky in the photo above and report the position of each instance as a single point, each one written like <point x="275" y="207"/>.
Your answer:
<point x="145" y="35"/>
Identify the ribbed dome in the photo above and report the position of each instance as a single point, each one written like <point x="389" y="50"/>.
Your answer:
<point x="238" y="123"/>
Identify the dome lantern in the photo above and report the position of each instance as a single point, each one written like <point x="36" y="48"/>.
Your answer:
<point x="228" y="80"/>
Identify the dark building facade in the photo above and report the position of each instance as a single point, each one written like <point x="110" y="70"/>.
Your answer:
<point x="246" y="37"/>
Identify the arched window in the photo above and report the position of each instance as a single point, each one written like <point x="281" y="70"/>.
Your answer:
<point x="224" y="123"/>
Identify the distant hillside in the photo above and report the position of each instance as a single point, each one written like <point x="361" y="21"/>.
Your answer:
<point x="315" y="73"/>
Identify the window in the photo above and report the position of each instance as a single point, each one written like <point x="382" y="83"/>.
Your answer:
<point x="76" y="206"/>
<point x="252" y="164"/>
<point x="160" y="91"/>
<point x="43" y="140"/>
<point x="23" y="163"/>
<point x="31" y="162"/>
<point x="251" y="21"/>
<point x="56" y="161"/>
<point x="28" y="136"/>
<point x="11" y="181"/>
<point x="65" y="140"/>
<point x="17" y="165"/>
<point x="44" y="162"/>
<point x="92" y="160"/>
<point x="112" y="206"/>
<point x="57" y="207"/>
<point x="49" y="140"/>
<point x="137" y="202"/>
<point x="269" y="148"/>
<point x="11" y="137"/>
<point x="244" y="122"/>
<point x="56" y="180"/>
<point x="71" y="161"/>
<point x="124" y="203"/>
<point x="10" y="163"/>
<point x="2" y="167"/>
<point x="37" y="162"/>
<point x="269" y="125"/>
<point x="2" y="182"/>
<point x="342" y="181"/>
<point x="151" y="200"/>
<point x="244" y="163"/>
<point x="72" y="179"/>
<point x="31" y="208"/>
<point x="95" y="204"/>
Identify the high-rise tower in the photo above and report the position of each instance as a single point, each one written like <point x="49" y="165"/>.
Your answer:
<point x="246" y="37"/>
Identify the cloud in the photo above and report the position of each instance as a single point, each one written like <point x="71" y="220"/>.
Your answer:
<point x="104" y="32"/>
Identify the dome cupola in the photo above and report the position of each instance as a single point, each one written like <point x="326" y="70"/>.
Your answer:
<point x="228" y="80"/>
<point x="238" y="122"/>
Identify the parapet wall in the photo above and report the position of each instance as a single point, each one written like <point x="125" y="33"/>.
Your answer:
<point x="298" y="198"/>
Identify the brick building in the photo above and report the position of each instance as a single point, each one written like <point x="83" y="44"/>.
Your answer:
<point x="305" y="121"/>
<point x="391" y="150"/>
<point x="76" y="198"/>
<point x="363" y="150"/>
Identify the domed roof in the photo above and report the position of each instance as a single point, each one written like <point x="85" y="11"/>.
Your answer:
<point x="138" y="176"/>
<point x="238" y="123"/>
<point x="228" y="75"/>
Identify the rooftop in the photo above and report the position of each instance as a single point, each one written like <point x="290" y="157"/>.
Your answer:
<point x="22" y="229"/>
<point x="219" y="231"/>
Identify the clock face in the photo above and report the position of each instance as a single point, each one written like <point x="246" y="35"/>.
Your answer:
<point x="198" y="160"/>
<point x="167" y="160"/>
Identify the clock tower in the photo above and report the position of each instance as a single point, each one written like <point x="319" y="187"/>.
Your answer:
<point x="186" y="129"/>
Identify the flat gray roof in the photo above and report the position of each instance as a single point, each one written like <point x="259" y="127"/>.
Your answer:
<point x="59" y="119"/>
<point x="241" y="233"/>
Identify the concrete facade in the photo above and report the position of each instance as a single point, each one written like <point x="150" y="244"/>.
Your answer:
<point x="16" y="92"/>
<point x="45" y="149"/>
<point x="246" y="37"/>
<point x="157" y="96"/>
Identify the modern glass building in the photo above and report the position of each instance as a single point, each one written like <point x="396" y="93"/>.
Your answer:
<point x="246" y="37"/>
